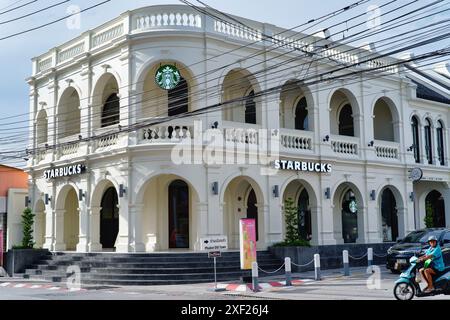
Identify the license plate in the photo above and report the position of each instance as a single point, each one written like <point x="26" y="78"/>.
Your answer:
<point x="401" y="261"/>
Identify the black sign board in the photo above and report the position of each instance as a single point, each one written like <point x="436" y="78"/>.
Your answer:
<point x="214" y="254"/>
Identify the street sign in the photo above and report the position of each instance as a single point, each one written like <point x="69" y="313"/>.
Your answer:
<point x="214" y="243"/>
<point x="214" y="254"/>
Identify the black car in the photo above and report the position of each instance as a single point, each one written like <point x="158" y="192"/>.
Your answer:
<point x="416" y="241"/>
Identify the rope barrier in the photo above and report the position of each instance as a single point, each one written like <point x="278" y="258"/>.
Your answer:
<point x="359" y="258"/>
<point x="380" y="255"/>
<point x="271" y="271"/>
<point x="302" y="265"/>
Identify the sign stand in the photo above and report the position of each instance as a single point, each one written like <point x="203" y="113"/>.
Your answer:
<point x="213" y="245"/>
<point x="214" y="255"/>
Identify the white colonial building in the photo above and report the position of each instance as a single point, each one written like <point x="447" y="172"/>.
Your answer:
<point x="103" y="171"/>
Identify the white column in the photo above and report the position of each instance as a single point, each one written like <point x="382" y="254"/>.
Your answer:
<point x="202" y="224"/>
<point x="83" y="233"/>
<point x="59" y="230"/>
<point x="94" y="238"/>
<point x="39" y="229"/>
<point x="136" y="225"/>
<point x="374" y="231"/>
<point x="315" y="218"/>
<point x="402" y="217"/>
<point x="123" y="238"/>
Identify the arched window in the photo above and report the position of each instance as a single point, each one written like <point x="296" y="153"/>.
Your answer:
<point x="301" y="115"/>
<point x="250" y="108"/>
<point x="428" y="144"/>
<point x="346" y="127"/>
<point x="415" y="135"/>
<point x="41" y="128"/>
<point x="440" y="142"/>
<point x="178" y="99"/>
<point x="111" y="111"/>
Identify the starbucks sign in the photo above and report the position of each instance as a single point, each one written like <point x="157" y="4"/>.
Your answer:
<point x="352" y="206"/>
<point x="167" y="77"/>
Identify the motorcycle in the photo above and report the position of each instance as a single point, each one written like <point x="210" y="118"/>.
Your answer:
<point x="406" y="287"/>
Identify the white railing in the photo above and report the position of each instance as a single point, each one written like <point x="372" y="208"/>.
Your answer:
<point x="105" y="36"/>
<point x="386" y="149"/>
<point x="70" y="52"/>
<point x="345" y="145"/>
<point x="169" y="18"/>
<point x="236" y="132"/>
<point x="45" y="64"/>
<point x="237" y="31"/>
<point x="69" y="145"/>
<point x="41" y="153"/>
<point x="177" y="17"/>
<point x="296" y="139"/>
<point x="167" y="132"/>
<point x="108" y="140"/>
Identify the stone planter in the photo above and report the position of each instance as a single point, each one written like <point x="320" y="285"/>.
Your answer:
<point x="18" y="259"/>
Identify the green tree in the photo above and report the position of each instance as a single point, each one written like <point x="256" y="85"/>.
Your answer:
<point x="291" y="221"/>
<point x="429" y="221"/>
<point x="27" y="223"/>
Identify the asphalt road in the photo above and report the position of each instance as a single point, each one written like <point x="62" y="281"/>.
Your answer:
<point x="333" y="286"/>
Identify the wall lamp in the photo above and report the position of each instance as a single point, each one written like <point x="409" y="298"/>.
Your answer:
<point x="411" y="196"/>
<point x="27" y="201"/>
<point x="327" y="193"/>
<point x="411" y="148"/>
<point x="370" y="144"/>
<point x="47" y="199"/>
<point x="215" y="188"/>
<point x="80" y="137"/>
<point x="372" y="195"/>
<point x="81" y="195"/>
<point x="215" y="125"/>
<point x="122" y="190"/>
<point x="326" y="139"/>
<point x="276" y="191"/>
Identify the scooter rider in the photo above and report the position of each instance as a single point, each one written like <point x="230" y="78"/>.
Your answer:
<point x="436" y="266"/>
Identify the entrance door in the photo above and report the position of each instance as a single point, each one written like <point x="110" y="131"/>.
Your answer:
<point x="109" y="218"/>
<point x="389" y="216"/>
<point x="178" y="214"/>
<point x="252" y="210"/>
<point x="304" y="216"/>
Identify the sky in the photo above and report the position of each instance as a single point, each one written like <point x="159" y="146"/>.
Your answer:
<point x="16" y="52"/>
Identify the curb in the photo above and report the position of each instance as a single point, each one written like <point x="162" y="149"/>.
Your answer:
<point x="37" y="286"/>
<point x="262" y="286"/>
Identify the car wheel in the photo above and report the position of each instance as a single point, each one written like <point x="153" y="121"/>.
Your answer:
<point x="404" y="291"/>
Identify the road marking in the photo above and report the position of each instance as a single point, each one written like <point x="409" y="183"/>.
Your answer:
<point x="20" y="285"/>
<point x="36" y="286"/>
<point x="5" y="284"/>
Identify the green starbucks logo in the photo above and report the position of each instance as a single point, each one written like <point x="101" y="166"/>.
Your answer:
<point x="352" y="206"/>
<point x="167" y="77"/>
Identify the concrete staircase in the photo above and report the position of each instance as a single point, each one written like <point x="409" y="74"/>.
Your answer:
<point x="146" y="268"/>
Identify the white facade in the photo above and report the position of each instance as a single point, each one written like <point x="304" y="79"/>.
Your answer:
<point x="72" y="82"/>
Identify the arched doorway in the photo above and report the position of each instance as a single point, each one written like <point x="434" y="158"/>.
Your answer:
<point x="416" y="138"/>
<point x="304" y="216"/>
<point x="349" y="211"/>
<point x="109" y="218"/>
<point x="178" y="214"/>
<point x="435" y="206"/>
<point x="252" y="210"/>
<point x="301" y="115"/>
<point x="71" y="220"/>
<point x="111" y="111"/>
<point x="250" y="108"/>
<point x="389" y="217"/>
<point x="242" y="198"/>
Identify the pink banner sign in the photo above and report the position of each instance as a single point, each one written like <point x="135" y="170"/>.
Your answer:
<point x="247" y="233"/>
